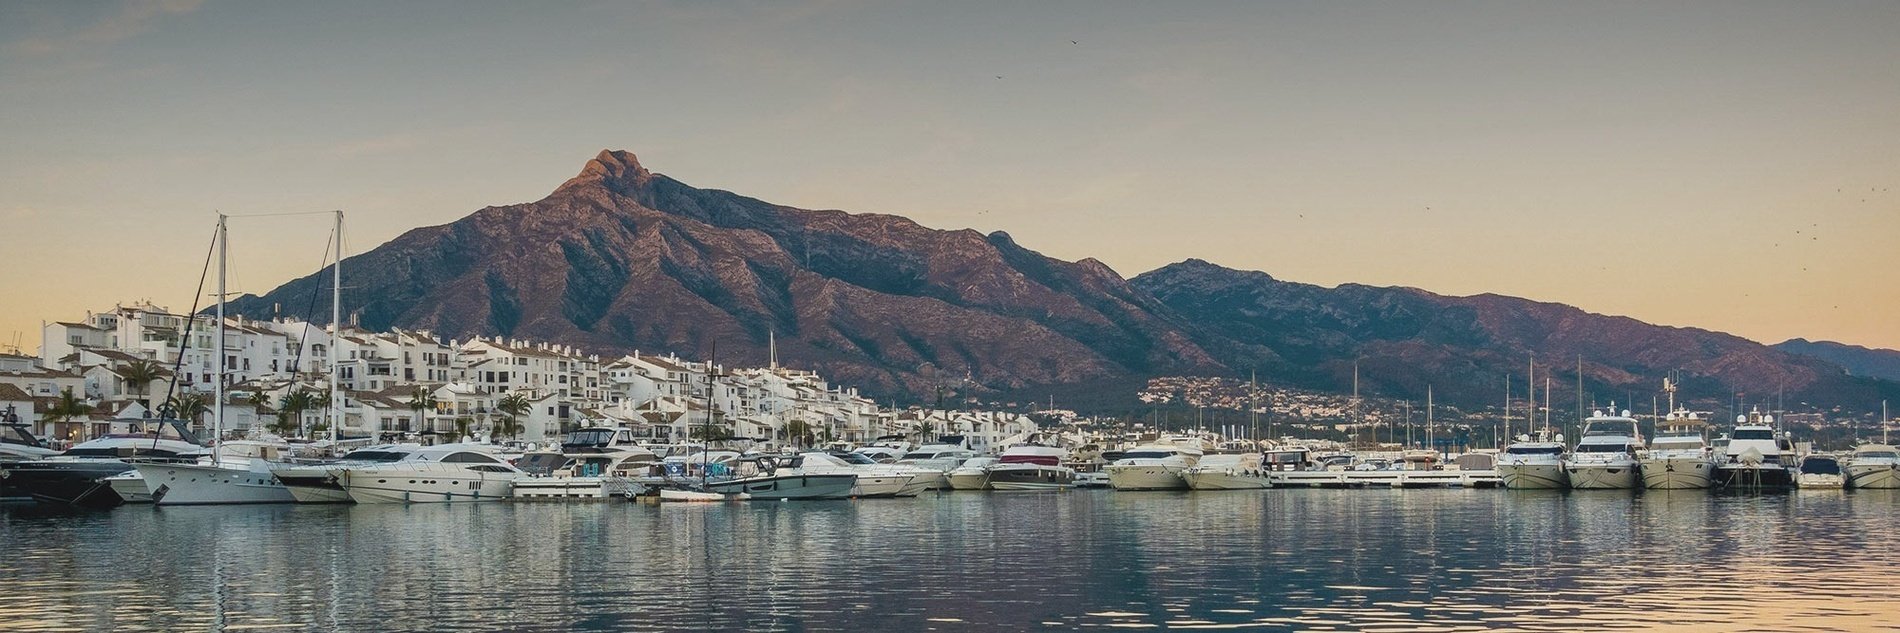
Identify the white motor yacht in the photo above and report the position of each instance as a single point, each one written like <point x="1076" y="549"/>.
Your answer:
<point x="1605" y="457"/>
<point x="972" y="475"/>
<point x="238" y="472"/>
<point x="1232" y="471"/>
<point x="793" y="477"/>
<point x="1527" y="465"/>
<point x="1874" y="466"/>
<point x="874" y="477"/>
<point x="1756" y="456"/>
<point x="18" y="444"/>
<point x="318" y="482"/>
<point x="1153" y="467"/>
<point x="1820" y="472"/>
<point x="1680" y="457"/>
<point x="1031" y="467"/>
<point x="937" y="460"/>
<point x="468" y="473"/>
<point x="77" y="476"/>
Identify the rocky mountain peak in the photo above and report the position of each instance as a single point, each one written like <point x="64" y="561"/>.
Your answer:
<point x="615" y="169"/>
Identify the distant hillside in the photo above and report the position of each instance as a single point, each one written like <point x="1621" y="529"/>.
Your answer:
<point x="1859" y="361"/>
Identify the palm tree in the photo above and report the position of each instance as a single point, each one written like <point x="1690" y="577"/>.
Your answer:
<point x="462" y="425"/>
<point x="139" y="374"/>
<point x="189" y="406"/>
<point x="290" y="408"/>
<point x="67" y="407"/>
<point x="512" y="407"/>
<point x="799" y="432"/>
<point x="423" y="400"/>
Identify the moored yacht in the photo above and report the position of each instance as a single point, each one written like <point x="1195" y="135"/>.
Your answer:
<point x="18" y="444"/>
<point x="792" y="477"/>
<point x="972" y="475"/>
<point x="1153" y="467"/>
<point x="1680" y="457"/>
<point x="1230" y="471"/>
<point x="1030" y="467"/>
<point x="237" y="472"/>
<point x="470" y="473"/>
<point x="77" y="476"/>
<point x="1528" y="465"/>
<point x="318" y="482"/>
<point x="1874" y="466"/>
<point x="875" y="479"/>
<point x="1819" y="472"/>
<point x="936" y="462"/>
<point x="1756" y="456"/>
<point x="1605" y="457"/>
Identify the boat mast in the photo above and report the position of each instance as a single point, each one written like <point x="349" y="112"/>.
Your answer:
<point x="1499" y="440"/>
<point x="705" y="452"/>
<point x="1530" y="408"/>
<point x="1429" y="439"/>
<point x="1253" y="407"/>
<point x="336" y="322"/>
<point x="1546" y="403"/>
<point x="1357" y="420"/>
<point x="217" y="418"/>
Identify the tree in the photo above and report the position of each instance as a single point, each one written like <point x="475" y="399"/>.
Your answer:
<point x="290" y="408"/>
<point x="67" y="407"/>
<point x="462" y="425"/>
<point x="709" y="433"/>
<point x="798" y="432"/>
<point x="189" y="406"/>
<point x="512" y="407"/>
<point x="422" y="400"/>
<point x="139" y="374"/>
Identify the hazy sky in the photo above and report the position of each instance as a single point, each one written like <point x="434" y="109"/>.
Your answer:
<point x="1726" y="165"/>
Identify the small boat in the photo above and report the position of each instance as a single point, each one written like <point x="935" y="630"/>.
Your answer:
<point x="1820" y="472"/>
<point x="1605" y="457"/>
<point x="792" y="477"/>
<point x="1031" y="467"/>
<point x="1234" y="471"/>
<point x="671" y="495"/>
<point x="1874" y="466"/>
<point x="1091" y="479"/>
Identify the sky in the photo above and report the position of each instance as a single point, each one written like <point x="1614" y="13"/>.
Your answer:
<point x="1726" y="165"/>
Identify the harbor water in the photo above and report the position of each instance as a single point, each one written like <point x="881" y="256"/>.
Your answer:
<point x="1372" y="560"/>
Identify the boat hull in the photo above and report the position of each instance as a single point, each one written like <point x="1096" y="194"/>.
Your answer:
<point x="426" y="486"/>
<point x="198" y="484"/>
<point x="80" y="483"/>
<point x="130" y="486"/>
<point x="1146" y="477"/>
<point x="1812" y="481"/>
<point x="308" y="484"/>
<point x="1744" y="477"/>
<point x="931" y="480"/>
<point x="1681" y="473"/>
<point x="1875" y="476"/>
<point x="1533" y="476"/>
<point x="836" y="486"/>
<point x="873" y="486"/>
<point x="968" y="480"/>
<point x="573" y="487"/>
<point x="1599" y="476"/>
<point x="1030" y="477"/>
<point x="1224" y="480"/>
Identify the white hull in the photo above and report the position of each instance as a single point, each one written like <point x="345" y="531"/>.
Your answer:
<point x="1220" y="480"/>
<point x="312" y="484"/>
<point x="571" y="487"/>
<point x="670" y="495"/>
<point x="1810" y="481"/>
<point x="426" y="486"/>
<point x="1875" y="476"/>
<point x="1614" y="476"/>
<point x="131" y="487"/>
<point x="1679" y="473"/>
<point x="1533" y="476"/>
<point x="968" y="481"/>
<point x="880" y="485"/>
<point x="199" y="484"/>
<point x="931" y="480"/>
<point x="1145" y="477"/>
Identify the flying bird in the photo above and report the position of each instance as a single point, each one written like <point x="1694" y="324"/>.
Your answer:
<point x="1074" y="42"/>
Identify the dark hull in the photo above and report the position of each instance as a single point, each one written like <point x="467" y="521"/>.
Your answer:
<point x="69" y="483"/>
<point x="1754" y="478"/>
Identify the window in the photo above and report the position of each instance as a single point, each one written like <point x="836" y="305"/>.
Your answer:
<point x="469" y="458"/>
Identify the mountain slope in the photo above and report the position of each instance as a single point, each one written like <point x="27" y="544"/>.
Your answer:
<point x="1860" y="361"/>
<point x="619" y="258"/>
<point x="1465" y="346"/>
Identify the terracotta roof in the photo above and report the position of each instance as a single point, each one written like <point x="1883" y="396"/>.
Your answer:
<point x="10" y="393"/>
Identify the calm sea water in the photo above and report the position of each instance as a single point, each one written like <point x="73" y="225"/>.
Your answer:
<point x="1372" y="560"/>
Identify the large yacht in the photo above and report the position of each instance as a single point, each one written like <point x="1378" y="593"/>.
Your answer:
<point x="1680" y="457"/>
<point x="937" y="460"/>
<point x="1153" y="466"/>
<point x="318" y="482"/>
<point x="793" y="477"/>
<point x="1756" y="456"/>
<point x="471" y="473"/>
<point x="874" y="477"/>
<point x="1228" y="471"/>
<point x="18" y="444"/>
<point x="1874" y="466"/>
<point x="972" y="475"/>
<point x="1528" y="465"/>
<point x="1030" y="467"/>
<point x="1605" y="457"/>
<point x="597" y="463"/>
<point x="77" y="476"/>
<point x="237" y="472"/>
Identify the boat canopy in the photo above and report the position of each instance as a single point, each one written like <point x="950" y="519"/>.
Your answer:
<point x="1817" y="465"/>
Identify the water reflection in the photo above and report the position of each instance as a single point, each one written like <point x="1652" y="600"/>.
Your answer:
<point x="1414" y="560"/>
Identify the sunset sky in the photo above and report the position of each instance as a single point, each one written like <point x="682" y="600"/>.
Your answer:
<point x="1726" y="165"/>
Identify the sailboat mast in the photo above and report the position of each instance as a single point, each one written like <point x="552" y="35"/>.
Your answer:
<point x="217" y="417"/>
<point x="1507" y="413"/>
<point x="336" y="321"/>
<point x="1429" y="438"/>
<point x="1547" y="403"/>
<point x="705" y="452"/>
<point x="1530" y="408"/>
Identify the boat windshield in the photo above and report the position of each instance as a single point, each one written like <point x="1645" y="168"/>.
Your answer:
<point x="374" y="455"/>
<point x="1147" y="454"/>
<point x="588" y="437"/>
<point x="18" y="435"/>
<point x="854" y="458"/>
<point x="920" y="455"/>
<point x="1820" y="466"/>
<point x="1534" y="450"/>
<point x="1602" y="448"/>
<point x="1754" y="434"/>
<point x="1880" y="454"/>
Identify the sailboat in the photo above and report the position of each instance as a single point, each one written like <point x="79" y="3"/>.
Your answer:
<point x="238" y="471"/>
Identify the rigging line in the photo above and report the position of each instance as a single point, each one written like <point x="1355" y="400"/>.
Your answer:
<point x="310" y="313"/>
<point x="191" y="319"/>
<point x="278" y="214"/>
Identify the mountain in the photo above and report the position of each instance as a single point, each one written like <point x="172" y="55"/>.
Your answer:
<point x="1465" y="346"/>
<point x="1860" y="361"/>
<point x="620" y="258"/>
